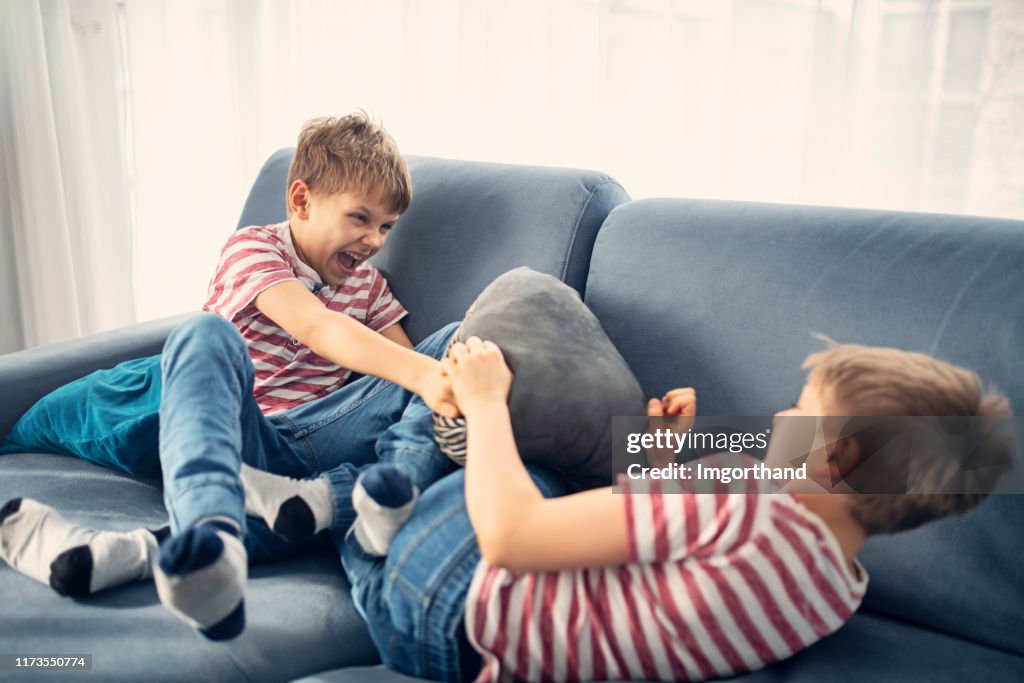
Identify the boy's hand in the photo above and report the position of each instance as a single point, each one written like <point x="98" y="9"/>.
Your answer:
<point x="680" y="403"/>
<point x="478" y="373"/>
<point x="435" y="388"/>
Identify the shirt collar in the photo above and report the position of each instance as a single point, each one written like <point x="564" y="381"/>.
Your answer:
<point x="305" y="273"/>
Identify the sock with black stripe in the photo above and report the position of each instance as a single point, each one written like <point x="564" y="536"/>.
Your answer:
<point x="383" y="498"/>
<point x="74" y="560"/>
<point x="296" y="509"/>
<point x="200" y="577"/>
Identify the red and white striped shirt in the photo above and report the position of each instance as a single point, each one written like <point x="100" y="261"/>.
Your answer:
<point x="716" y="584"/>
<point x="287" y="372"/>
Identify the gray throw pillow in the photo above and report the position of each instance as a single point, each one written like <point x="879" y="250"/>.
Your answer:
<point x="570" y="380"/>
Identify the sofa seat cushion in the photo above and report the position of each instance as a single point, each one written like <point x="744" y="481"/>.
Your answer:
<point x="868" y="648"/>
<point x="300" y="618"/>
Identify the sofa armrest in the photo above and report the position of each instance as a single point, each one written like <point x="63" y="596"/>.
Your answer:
<point x="26" y="376"/>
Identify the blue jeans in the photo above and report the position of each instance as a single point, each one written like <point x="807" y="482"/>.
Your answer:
<point x="209" y="423"/>
<point x="414" y="600"/>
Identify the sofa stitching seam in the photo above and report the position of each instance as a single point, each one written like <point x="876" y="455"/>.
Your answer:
<point x="579" y="220"/>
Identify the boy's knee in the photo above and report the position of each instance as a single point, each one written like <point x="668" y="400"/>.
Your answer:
<point x="449" y="330"/>
<point x="204" y="334"/>
<point x="436" y="344"/>
<point x="211" y="328"/>
<point x="206" y="324"/>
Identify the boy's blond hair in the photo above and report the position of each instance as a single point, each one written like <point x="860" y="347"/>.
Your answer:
<point x="873" y="381"/>
<point x="351" y="153"/>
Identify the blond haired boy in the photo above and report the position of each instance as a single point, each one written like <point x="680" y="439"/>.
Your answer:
<point x="292" y="310"/>
<point x="647" y="585"/>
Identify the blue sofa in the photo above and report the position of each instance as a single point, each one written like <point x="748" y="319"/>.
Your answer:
<point x="722" y="296"/>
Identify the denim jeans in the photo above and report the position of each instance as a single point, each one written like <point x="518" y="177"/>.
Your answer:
<point x="414" y="600"/>
<point x="209" y="423"/>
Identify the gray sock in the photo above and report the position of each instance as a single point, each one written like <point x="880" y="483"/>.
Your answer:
<point x="200" y="577"/>
<point x="294" y="508"/>
<point x="384" y="498"/>
<point x="38" y="542"/>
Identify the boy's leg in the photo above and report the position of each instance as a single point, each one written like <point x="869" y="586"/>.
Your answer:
<point x="339" y="430"/>
<point x="344" y="427"/>
<point x="414" y="599"/>
<point x="408" y="445"/>
<point x="440" y="536"/>
<point x="350" y="420"/>
<point x="109" y="418"/>
<point x="299" y="509"/>
<point x="208" y="419"/>
<point x="404" y="426"/>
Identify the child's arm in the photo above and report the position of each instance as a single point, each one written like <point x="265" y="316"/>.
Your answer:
<point x="396" y="334"/>
<point x="516" y="527"/>
<point x="351" y="344"/>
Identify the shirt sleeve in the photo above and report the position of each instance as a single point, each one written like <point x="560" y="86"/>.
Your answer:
<point x="251" y="261"/>
<point x="667" y="527"/>
<point x="384" y="310"/>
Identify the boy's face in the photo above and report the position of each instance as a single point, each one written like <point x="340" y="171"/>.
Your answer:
<point x="334" y="234"/>
<point x="793" y="437"/>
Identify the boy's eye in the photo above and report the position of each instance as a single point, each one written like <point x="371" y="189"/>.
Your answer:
<point x="359" y="217"/>
<point x="386" y="227"/>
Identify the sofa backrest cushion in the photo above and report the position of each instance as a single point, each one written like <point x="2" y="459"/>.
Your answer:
<point x="724" y="296"/>
<point x="468" y="223"/>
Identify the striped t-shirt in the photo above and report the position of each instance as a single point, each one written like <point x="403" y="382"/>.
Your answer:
<point x="287" y="372"/>
<point x="716" y="584"/>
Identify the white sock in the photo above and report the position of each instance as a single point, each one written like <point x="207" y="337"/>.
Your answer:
<point x="384" y="498"/>
<point x="293" y="508"/>
<point x="200" y="577"/>
<point x="38" y="542"/>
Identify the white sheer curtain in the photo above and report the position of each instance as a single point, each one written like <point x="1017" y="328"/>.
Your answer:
<point x="899" y="104"/>
<point x="67" y="248"/>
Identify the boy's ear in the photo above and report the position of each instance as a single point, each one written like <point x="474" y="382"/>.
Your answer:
<point x="298" y="200"/>
<point x="847" y="456"/>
